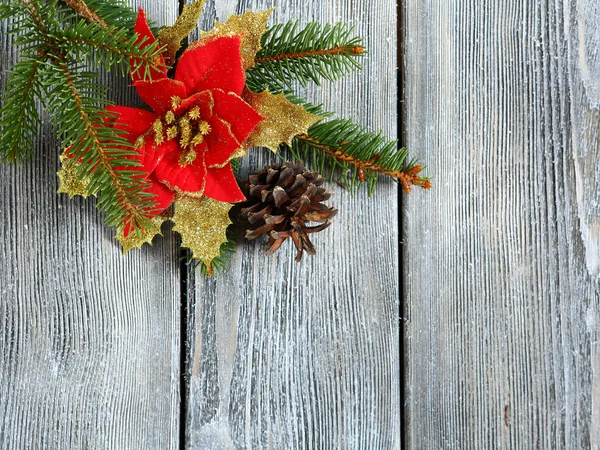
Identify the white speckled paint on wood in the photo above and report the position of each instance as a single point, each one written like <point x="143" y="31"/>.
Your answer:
<point x="584" y="84"/>
<point x="306" y="356"/>
<point x="89" y="338"/>
<point x="498" y="290"/>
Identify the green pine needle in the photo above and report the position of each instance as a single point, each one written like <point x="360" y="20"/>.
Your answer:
<point x="355" y="155"/>
<point x="20" y="118"/>
<point x="291" y="54"/>
<point x="115" y="12"/>
<point x="103" y="153"/>
<point x="113" y="48"/>
<point x="55" y="45"/>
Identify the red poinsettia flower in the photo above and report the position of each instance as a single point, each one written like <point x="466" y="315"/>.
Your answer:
<point x="198" y="121"/>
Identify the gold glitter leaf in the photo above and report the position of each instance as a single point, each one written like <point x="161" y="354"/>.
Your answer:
<point x="136" y="240"/>
<point x="202" y="223"/>
<point x="282" y="120"/>
<point x="252" y="25"/>
<point x="69" y="182"/>
<point x="172" y="36"/>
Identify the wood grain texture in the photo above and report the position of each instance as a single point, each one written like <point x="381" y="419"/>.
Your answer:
<point x="582" y="29"/>
<point x="306" y="356"/>
<point x="89" y="339"/>
<point x="502" y="308"/>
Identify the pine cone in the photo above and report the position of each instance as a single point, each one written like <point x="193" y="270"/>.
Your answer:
<point x="281" y="199"/>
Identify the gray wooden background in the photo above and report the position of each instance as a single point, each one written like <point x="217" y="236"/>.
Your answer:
<point x="463" y="317"/>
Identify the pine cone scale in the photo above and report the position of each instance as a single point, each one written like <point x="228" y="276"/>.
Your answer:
<point x="319" y="216"/>
<point x="317" y="228"/>
<point x="281" y="200"/>
<point x="280" y="196"/>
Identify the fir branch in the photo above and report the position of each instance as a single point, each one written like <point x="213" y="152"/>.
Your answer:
<point x="317" y="51"/>
<point x="112" y="47"/>
<point x="358" y="155"/>
<point x="46" y="32"/>
<point x="116" y="13"/>
<point x="19" y="117"/>
<point x="83" y="11"/>
<point x="35" y="15"/>
<point x="310" y="54"/>
<point x="104" y="155"/>
<point x="52" y="39"/>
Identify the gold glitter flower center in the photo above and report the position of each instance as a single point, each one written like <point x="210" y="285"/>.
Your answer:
<point x="189" y="128"/>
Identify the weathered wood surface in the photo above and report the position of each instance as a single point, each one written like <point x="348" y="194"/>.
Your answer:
<point x="501" y="257"/>
<point x="89" y="339"/>
<point x="306" y="356"/>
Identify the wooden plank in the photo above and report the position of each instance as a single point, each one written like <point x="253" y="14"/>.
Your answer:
<point x="287" y="355"/>
<point x="502" y="309"/>
<point x="89" y="340"/>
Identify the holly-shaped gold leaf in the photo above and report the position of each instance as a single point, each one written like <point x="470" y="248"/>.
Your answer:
<point x="282" y="120"/>
<point x="139" y="238"/>
<point x="172" y="36"/>
<point x="70" y="183"/>
<point x="251" y="25"/>
<point x="202" y="224"/>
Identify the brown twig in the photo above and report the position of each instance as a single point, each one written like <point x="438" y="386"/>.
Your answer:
<point x="311" y="53"/>
<point x="407" y="178"/>
<point x="84" y="11"/>
<point x="35" y="14"/>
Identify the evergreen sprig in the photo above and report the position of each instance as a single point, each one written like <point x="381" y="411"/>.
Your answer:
<point x="113" y="48"/>
<point x="55" y="46"/>
<point x="339" y="146"/>
<point x="291" y="54"/>
<point x="103" y="153"/>
<point x="20" y="116"/>
<point x="356" y="154"/>
<point x="112" y="12"/>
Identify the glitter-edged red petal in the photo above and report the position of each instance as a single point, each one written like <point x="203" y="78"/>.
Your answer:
<point x="159" y="94"/>
<point x="220" y="141"/>
<point x="145" y="37"/>
<point x="221" y="185"/>
<point x="212" y="63"/>
<point x="235" y="111"/>
<point x="204" y="100"/>
<point x="152" y="154"/>
<point x="189" y="178"/>
<point x="163" y="195"/>
<point x="132" y="120"/>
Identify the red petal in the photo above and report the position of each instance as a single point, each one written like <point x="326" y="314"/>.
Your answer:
<point x="128" y="229"/>
<point x="159" y="94"/>
<point x="221" y="143"/>
<point x="143" y="30"/>
<point x="213" y="63"/>
<point x="188" y="178"/>
<point x="163" y="195"/>
<point x="204" y="100"/>
<point x="239" y="114"/>
<point x="153" y="154"/>
<point x="222" y="185"/>
<point x="132" y="120"/>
